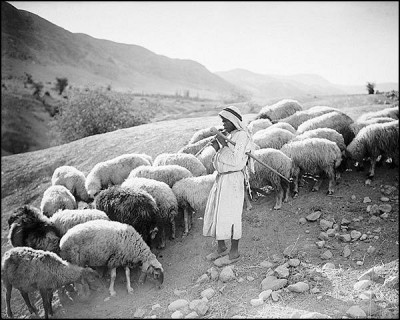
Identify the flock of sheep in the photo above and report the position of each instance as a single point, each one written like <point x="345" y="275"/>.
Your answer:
<point x="132" y="201"/>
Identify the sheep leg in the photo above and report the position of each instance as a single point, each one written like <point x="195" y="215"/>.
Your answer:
<point x="279" y="197"/>
<point x="112" y="281"/>
<point x="162" y="237"/>
<point x="142" y="277"/>
<point x="50" y="298"/>
<point x="372" y="170"/>
<point x="331" y="176"/>
<point x="8" y="299"/>
<point x="45" y="299"/>
<point x="286" y="192"/>
<point x="128" y="280"/>
<point x="27" y="302"/>
<point x="296" y="174"/>
<point x="248" y="203"/>
<point x="173" y="228"/>
<point x="317" y="184"/>
<point x="186" y="221"/>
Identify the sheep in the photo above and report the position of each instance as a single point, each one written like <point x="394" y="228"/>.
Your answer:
<point x="112" y="244"/>
<point x="358" y="125"/>
<point x="194" y="148"/>
<point x="186" y="160"/>
<point x="258" y="124"/>
<point x="202" y="134"/>
<point x="192" y="194"/>
<point x="165" y="200"/>
<point x="73" y="180"/>
<point x="272" y="138"/>
<point x="55" y="198"/>
<point x="64" y="220"/>
<point x="262" y="176"/>
<point x="283" y="125"/>
<point x="279" y="110"/>
<point x="335" y="120"/>
<point x="30" y="228"/>
<point x="168" y="174"/>
<point x="296" y="119"/>
<point x="392" y="112"/>
<point x="113" y="171"/>
<point x="206" y="157"/>
<point x="326" y="133"/>
<point x="378" y="139"/>
<point x="28" y="270"/>
<point x="135" y="207"/>
<point x="316" y="156"/>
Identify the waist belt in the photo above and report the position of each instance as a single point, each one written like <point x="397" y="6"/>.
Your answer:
<point x="227" y="172"/>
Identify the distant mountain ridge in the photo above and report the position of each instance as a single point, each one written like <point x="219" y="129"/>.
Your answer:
<point x="34" y="45"/>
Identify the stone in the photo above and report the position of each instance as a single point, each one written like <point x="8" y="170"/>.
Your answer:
<point x="156" y="306"/>
<point x="290" y="251"/>
<point x="346" y="251"/>
<point x="266" y="264"/>
<point x="345" y="237"/>
<point x="178" y="304"/>
<point x="326" y="255"/>
<point x="240" y="280"/>
<point x="359" y="263"/>
<point x="299" y="287"/>
<point x="177" y="315"/>
<point x="367" y="200"/>
<point x="227" y="274"/>
<point x="371" y="249"/>
<point x="363" y="237"/>
<point x="377" y="230"/>
<point x="250" y="278"/>
<point x="320" y="244"/>
<point x="282" y="272"/>
<point x="139" y="313"/>
<point x="384" y="216"/>
<point x="356" y="312"/>
<point x="331" y="232"/>
<point x="213" y="272"/>
<point x="315" y="290"/>
<point x="192" y="315"/>
<point x="275" y="296"/>
<point x="264" y="295"/>
<point x="385" y="208"/>
<point x="271" y="282"/>
<point x="374" y="219"/>
<point x="294" y="262"/>
<point x="370" y="274"/>
<point x="367" y="295"/>
<point x="370" y="307"/>
<point x="256" y="302"/>
<point x="302" y="220"/>
<point x="314" y="216"/>
<point x="208" y="293"/>
<point x="325" y="224"/>
<point x="362" y="284"/>
<point x="328" y="265"/>
<point x="354" y="234"/>
<point x="392" y="282"/>
<point x="345" y="222"/>
<point x="201" y="308"/>
<point x="314" y="315"/>
<point x="353" y="197"/>
<point x="385" y="199"/>
<point x="323" y="236"/>
<point x="374" y="210"/>
<point x="203" y="278"/>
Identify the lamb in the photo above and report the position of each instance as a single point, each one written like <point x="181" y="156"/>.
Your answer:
<point x="335" y="120"/>
<point x="202" y="134"/>
<point x="186" y="160"/>
<point x="316" y="156"/>
<point x="192" y="194"/>
<point x="326" y="133"/>
<point x="165" y="200"/>
<point x="206" y="157"/>
<point x="358" y="125"/>
<point x="135" y="207"/>
<point x="28" y="270"/>
<point x="392" y="112"/>
<point x="57" y="198"/>
<point x="64" y="220"/>
<point x="272" y="138"/>
<point x="194" y="148"/>
<point x="262" y="176"/>
<point x="113" y="244"/>
<point x="296" y="119"/>
<point x="279" y="110"/>
<point x="168" y="174"/>
<point x="30" y="228"/>
<point x="113" y="172"/>
<point x="258" y="124"/>
<point x="73" y="180"/>
<point x="375" y="140"/>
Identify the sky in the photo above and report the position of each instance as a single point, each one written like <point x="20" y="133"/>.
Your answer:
<point x="349" y="43"/>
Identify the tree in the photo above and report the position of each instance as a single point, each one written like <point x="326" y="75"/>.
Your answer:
<point x="61" y="84"/>
<point x="370" y="87"/>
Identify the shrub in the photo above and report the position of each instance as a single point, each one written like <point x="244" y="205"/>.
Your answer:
<point x="95" y="112"/>
<point x="61" y="84"/>
<point x="370" y="87"/>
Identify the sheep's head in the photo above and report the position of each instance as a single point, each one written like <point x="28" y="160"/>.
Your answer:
<point x="93" y="187"/>
<point x="154" y="269"/>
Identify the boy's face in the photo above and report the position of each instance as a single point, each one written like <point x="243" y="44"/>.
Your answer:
<point x="228" y="125"/>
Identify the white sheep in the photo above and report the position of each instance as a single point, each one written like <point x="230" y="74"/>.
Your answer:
<point x="135" y="207"/>
<point x="73" y="179"/>
<point x="186" y="160"/>
<point x="374" y="140"/>
<point x="263" y="176"/>
<point x="203" y="133"/>
<point x="283" y="125"/>
<point x="166" y="202"/>
<point x="316" y="156"/>
<point x="391" y="112"/>
<point x="206" y="157"/>
<point x="192" y="194"/>
<point x="326" y="133"/>
<point x="279" y="110"/>
<point x="194" y="148"/>
<point x="28" y="270"/>
<point x="338" y="121"/>
<point x="99" y="243"/>
<point x="272" y="138"/>
<point x="296" y="119"/>
<point x="57" y="198"/>
<point x="258" y="124"/>
<point x="113" y="171"/>
<point x="64" y="220"/>
<point x="358" y="125"/>
<point x="168" y="174"/>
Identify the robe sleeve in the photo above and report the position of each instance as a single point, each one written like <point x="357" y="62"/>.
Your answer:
<point x="234" y="156"/>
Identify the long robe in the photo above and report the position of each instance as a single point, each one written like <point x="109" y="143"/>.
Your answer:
<point x="223" y="214"/>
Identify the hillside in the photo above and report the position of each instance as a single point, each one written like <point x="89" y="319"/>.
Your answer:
<point x="266" y="234"/>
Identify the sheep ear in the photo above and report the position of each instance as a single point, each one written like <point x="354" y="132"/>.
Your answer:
<point x="153" y="233"/>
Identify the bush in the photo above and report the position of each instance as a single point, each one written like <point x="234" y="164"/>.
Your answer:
<point x="370" y="87"/>
<point x="96" y="112"/>
<point x="61" y="84"/>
